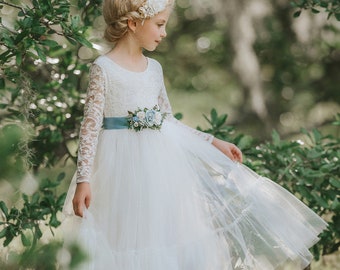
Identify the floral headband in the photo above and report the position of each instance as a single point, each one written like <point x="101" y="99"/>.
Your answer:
<point x="152" y="7"/>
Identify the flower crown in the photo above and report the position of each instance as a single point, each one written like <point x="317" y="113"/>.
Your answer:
<point x="152" y="7"/>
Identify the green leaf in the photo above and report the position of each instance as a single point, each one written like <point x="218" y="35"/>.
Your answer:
<point x="221" y="120"/>
<point x="35" y="198"/>
<point x="317" y="135"/>
<point x="18" y="58"/>
<point x="335" y="182"/>
<point x="312" y="154"/>
<point x="208" y="120"/>
<point x="38" y="232"/>
<point x="335" y="204"/>
<point x="39" y="30"/>
<point x="61" y="176"/>
<point x="2" y="83"/>
<point x="25" y="240"/>
<point x="81" y="3"/>
<point x="27" y="22"/>
<point x="9" y="237"/>
<point x="8" y="41"/>
<point x="4" y="208"/>
<point x="50" y="43"/>
<point x="297" y="13"/>
<point x="54" y="222"/>
<point x="71" y="40"/>
<point x="25" y="198"/>
<point x="321" y="201"/>
<point x="324" y="4"/>
<point x="337" y="16"/>
<point x="40" y="53"/>
<point x="83" y="41"/>
<point x="3" y="232"/>
<point x="21" y="13"/>
<point x="213" y="115"/>
<point x="276" y="138"/>
<point x="75" y="21"/>
<point x="61" y="200"/>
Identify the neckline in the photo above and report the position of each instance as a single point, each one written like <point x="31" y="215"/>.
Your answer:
<point x="131" y="71"/>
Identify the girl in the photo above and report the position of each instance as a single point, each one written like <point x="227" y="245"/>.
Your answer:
<point x="155" y="194"/>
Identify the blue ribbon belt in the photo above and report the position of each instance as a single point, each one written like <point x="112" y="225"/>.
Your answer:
<point x="115" y="123"/>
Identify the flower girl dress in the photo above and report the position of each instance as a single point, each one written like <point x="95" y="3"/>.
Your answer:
<point x="168" y="199"/>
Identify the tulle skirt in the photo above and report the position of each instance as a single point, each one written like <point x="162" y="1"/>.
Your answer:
<point x="167" y="200"/>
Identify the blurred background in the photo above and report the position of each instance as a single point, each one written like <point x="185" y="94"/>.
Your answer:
<point x="253" y="60"/>
<point x="268" y="65"/>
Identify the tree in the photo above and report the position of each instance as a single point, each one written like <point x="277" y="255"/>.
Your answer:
<point x="41" y="72"/>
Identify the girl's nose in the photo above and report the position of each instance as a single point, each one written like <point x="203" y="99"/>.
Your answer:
<point x="163" y="34"/>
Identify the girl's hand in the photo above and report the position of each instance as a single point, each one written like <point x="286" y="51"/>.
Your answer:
<point x="229" y="149"/>
<point x="82" y="198"/>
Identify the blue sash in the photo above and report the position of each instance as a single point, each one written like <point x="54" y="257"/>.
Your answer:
<point x="115" y="123"/>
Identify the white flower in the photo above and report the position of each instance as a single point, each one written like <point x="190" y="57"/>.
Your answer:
<point x="145" y="118"/>
<point x="152" y="8"/>
<point x="158" y="118"/>
<point x="141" y="115"/>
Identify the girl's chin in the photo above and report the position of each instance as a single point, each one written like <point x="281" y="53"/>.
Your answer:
<point x="150" y="49"/>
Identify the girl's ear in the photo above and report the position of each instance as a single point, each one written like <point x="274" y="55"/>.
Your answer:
<point x="132" y="24"/>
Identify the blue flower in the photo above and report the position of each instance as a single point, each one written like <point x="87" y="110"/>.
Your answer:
<point x="150" y="117"/>
<point x="145" y="118"/>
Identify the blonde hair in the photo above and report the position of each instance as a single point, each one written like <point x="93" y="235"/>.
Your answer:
<point x="117" y="13"/>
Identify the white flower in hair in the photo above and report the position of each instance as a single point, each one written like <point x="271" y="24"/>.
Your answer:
<point x="152" y="7"/>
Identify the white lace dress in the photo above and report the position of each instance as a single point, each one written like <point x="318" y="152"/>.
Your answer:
<point x="168" y="199"/>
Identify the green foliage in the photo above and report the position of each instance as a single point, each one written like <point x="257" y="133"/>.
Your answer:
<point x="41" y="76"/>
<point x="30" y="218"/>
<point x="332" y="7"/>
<point x="35" y="25"/>
<point x="38" y="210"/>
<point x="309" y="169"/>
<point x="51" y="256"/>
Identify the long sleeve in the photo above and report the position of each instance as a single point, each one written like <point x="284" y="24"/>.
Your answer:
<point x="91" y="124"/>
<point x="165" y="107"/>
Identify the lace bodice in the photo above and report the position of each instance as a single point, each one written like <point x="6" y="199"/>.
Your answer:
<point x="112" y="92"/>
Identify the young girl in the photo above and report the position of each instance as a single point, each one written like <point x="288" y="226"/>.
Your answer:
<point x="155" y="194"/>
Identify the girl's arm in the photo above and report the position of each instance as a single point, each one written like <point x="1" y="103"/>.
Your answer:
<point x="164" y="104"/>
<point x="88" y="138"/>
<point x="229" y="149"/>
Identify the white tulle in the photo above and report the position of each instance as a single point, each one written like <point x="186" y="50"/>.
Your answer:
<point x="165" y="200"/>
<point x="168" y="200"/>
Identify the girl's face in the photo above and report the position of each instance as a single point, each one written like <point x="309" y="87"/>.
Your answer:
<point x="151" y="32"/>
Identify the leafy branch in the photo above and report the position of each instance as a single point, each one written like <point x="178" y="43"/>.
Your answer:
<point x="27" y="222"/>
<point x="331" y="7"/>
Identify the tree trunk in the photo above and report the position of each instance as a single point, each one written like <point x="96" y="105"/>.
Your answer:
<point x="246" y="63"/>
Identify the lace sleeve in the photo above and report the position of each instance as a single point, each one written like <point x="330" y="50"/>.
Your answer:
<point x="164" y="104"/>
<point x="91" y="124"/>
